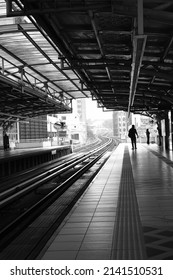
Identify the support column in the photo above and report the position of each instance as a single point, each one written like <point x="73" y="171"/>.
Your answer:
<point x="171" y="130"/>
<point x="1" y="138"/>
<point x="140" y="18"/>
<point x="159" y="135"/>
<point x="167" y="132"/>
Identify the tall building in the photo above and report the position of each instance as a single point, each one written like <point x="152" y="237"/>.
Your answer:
<point x="81" y="109"/>
<point x="142" y="123"/>
<point x="33" y="129"/>
<point x="120" y="125"/>
<point x="76" y="124"/>
<point x="79" y="129"/>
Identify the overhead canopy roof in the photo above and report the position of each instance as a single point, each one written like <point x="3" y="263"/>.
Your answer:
<point x="121" y="50"/>
<point x="34" y="78"/>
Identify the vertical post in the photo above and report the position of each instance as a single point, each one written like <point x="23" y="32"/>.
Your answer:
<point x="3" y="66"/>
<point x="170" y="116"/>
<point x="9" y="7"/>
<point x="62" y="63"/>
<point x="140" y="17"/>
<point x="167" y="132"/>
<point x="22" y="75"/>
<point x="18" y="131"/>
<point x="171" y="130"/>
<point x="46" y="87"/>
<point x="81" y="82"/>
<point x="22" y="71"/>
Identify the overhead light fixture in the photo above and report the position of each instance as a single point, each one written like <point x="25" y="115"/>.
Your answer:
<point x="139" y="42"/>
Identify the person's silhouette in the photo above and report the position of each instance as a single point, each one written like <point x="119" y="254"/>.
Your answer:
<point x="6" y="142"/>
<point x="132" y="134"/>
<point x="148" y="136"/>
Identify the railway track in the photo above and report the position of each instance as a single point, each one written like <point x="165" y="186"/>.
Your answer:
<point x="60" y="195"/>
<point x="16" y="178"/>
<point x="30" y="180"/>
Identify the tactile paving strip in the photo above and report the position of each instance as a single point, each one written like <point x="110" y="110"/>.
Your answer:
<point x="159" y="243"/>
<point x="128" y="241"/>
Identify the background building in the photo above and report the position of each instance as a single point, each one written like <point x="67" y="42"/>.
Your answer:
<point x="141" y="123"/>
<point x="120" y="125"/>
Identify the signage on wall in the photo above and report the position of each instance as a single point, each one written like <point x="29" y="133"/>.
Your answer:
<point x="62" y="133"/>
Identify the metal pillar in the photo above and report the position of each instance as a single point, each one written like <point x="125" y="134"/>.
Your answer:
<point x="167" y="132"/>
<point x="140" y="19"/>
<point x="170" y="115"/>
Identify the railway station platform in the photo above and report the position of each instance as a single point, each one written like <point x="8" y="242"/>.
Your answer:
<point x="126" y="213"/>
<point x="17" y="160"/>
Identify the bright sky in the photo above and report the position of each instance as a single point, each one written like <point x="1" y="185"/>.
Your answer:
<point x="93" y="112"/>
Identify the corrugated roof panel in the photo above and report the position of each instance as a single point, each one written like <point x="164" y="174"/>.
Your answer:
<point x="24" y="45"/>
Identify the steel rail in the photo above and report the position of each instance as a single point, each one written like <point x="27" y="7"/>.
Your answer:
<point x="15" y="227"/>
<point x="23" y="188"/>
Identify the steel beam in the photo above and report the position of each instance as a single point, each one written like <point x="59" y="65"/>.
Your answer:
<point x="140" y="18"/>
<point x="139" y="42"/>
<point x="139" y="46"/>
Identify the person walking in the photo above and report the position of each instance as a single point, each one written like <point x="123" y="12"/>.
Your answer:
<point x="6" y="142"/>
<point x="148" y="136"/>
<point x="132" y="134"/>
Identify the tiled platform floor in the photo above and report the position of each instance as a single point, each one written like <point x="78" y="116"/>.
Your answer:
<point x="126" y="213"/>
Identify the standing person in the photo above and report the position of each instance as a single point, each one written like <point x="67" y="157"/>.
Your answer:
<point x="132" y="134"/>
<point x="6" y="142"/>
<point x="148" y="136"/>
<point x="159" y="135"/>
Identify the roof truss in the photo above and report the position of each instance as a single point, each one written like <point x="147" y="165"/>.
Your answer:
<point x="121" y="50"/>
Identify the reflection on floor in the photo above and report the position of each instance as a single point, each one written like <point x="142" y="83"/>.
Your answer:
<point x="126" y="213"/>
